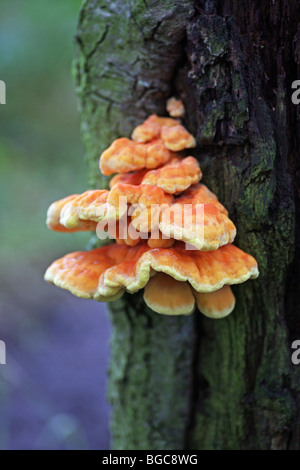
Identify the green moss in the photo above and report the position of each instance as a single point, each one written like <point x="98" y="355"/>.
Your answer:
<point x="149" y="363"/>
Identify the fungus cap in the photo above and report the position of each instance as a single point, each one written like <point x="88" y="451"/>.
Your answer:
<point x="84" y="211"/>
<point x="117" y="267"/>
<point x="174" y="135"/>
<point x="177" y="138"/>
<point x="200" y="194"/>
<point x="145" y="200"/>
<point x="173" y="177"/>
<point x="54" y="217"/>
<point x="125" y="155"/>
<point x="203" y="227"/>
<point x="160" y="241"/>
<point x="175" y="108"/>
<point x="206" y="271"/>
<point x="85" y="207"/>
<point x="79" y="272"/>
<point x="150" y="209"/>
<point x="151" y="128"/>
<point x="199" y="219"/>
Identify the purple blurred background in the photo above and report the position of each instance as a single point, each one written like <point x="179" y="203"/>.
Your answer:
<point x="53" y="387"/>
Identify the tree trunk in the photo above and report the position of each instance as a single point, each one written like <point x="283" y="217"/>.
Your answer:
<point x="191" y="382"/>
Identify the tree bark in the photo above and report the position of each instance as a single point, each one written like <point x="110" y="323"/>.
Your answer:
<point x="191" y="382"/>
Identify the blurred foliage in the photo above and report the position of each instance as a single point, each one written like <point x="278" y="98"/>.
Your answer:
<point x="41" y="155"/>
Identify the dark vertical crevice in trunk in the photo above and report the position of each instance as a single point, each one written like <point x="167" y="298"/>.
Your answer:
<point x="191" y="382"/>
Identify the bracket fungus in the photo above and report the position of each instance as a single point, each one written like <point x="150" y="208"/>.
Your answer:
<point x="125" y="155"/>
<point x="174" y="177"/>
<point x="175" y="107"/>
<point x="105" y="273"/>
<point x="173" y="238"/>
<point x="55" y="221"/>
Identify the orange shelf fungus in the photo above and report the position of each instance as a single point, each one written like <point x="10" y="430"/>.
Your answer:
<point x="176" y="176"/>
<point x="173" y="134"/>
<point x="175" y="108"/>
<point x="151" y="128"/>
<point x="177" y="138"/>
<point x="106" y="273"/>
<point x="173" y="236"/>
<point x="124" y="234"/>
<point x="197" y="218"/>
<point x="135" y="178"/>
<point x="217" y="304"/>
<point x="173" y="177"/>
<point x="54" y="217"/>
<point x="165" y="295"/>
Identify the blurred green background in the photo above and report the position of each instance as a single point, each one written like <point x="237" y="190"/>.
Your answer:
<point x="40" y="146"/>
<point x="52" y="388"/>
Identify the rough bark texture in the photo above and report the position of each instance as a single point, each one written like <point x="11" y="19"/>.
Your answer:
<point x="181" y="383"/>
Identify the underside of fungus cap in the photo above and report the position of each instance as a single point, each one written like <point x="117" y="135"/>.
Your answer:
<point x="217" y="304"/>
<point x="160" y="241"/>
<point x="124" y="156"/>
<point x="135" y="178"/>
<point x="125" y="234"/>
<point x="165" y="295"/>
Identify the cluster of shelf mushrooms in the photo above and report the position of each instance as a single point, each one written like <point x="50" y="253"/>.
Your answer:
<point x="181" y="258"/>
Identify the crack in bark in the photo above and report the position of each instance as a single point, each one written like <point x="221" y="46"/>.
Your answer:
<point x="97" y="44"/>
